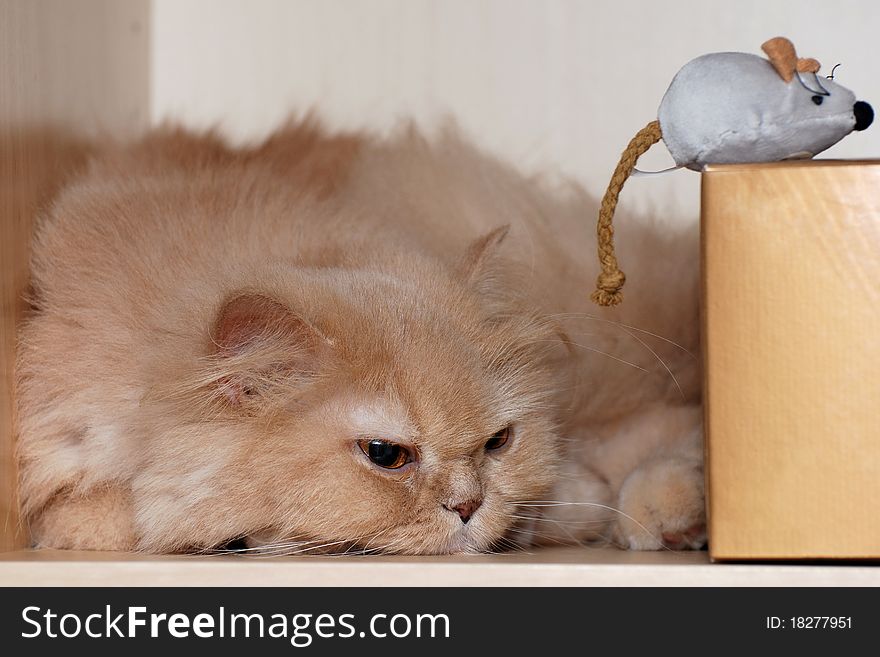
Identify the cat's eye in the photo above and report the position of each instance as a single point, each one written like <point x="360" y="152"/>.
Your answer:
<point x="385" y="453"/>
<point x="499" y="439"/>
<point x="817" y="99"/>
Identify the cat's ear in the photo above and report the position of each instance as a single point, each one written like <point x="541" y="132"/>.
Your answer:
<point x="477" y="265"/>
<point x="260" y="343"/>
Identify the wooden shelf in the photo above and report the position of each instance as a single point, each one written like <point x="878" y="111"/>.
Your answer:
<point x="551" y="567"/>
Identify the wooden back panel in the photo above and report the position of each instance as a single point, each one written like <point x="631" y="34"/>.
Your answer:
<point x="68" y="70"/>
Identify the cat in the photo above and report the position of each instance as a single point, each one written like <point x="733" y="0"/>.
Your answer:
<point x="338" y="342"/>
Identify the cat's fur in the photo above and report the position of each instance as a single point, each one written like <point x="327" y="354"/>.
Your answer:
<point x="214" y="329"/>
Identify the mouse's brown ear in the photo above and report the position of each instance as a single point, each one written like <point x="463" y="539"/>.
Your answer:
<point x="259" y="343"/>
<point x="782" y="55"/>
<point x="808" y="65"/>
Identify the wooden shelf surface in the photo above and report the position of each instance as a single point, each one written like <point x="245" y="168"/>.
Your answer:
<point x="549" y="567"/>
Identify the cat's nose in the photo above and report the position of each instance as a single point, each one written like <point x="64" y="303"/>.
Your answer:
<point x="466" y="509"/>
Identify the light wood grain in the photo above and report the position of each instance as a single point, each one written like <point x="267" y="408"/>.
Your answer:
<point x="550" y="567"/>
<point x="67" y="69"/>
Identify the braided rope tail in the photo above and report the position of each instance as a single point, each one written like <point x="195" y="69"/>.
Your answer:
<point x="611" y="279"/>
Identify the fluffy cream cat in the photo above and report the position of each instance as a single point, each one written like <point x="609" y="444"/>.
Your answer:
<point x="340" y="342"/>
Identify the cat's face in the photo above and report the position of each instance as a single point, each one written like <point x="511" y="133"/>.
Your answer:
<point x="373" y="413"/>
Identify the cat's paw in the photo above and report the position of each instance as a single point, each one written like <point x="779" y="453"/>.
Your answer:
<point x="662" y="505"/>
<point x="100" y="520"/>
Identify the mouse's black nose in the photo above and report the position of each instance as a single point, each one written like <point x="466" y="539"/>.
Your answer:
<point x="864" y="114"/>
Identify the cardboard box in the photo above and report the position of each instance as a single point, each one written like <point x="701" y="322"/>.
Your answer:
<point x="791" y="319"/>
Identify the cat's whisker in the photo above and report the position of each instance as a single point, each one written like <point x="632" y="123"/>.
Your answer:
<point x="374" y="537"/>
<point x="352" y="543"/>
<point x="265" y="549"/>
<point x="510" y="545"/>
<point x="530" y="533"/>
<point x="561" y="525"/>
<point x="626" y="326"/>
<point x="628" y="330"/>
<point x="662" y="362"/>
<point x="603" y="353"/>
<point x="557" y="521"/>
<point x="539" y="504"/>
<point x="285" y="551"/>
<point x="295" y="547"/>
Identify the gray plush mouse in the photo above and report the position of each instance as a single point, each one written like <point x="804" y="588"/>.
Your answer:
<point x="728" y="108"/>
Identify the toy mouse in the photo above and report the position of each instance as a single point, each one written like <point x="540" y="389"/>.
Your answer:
<point x="731" y="107"/>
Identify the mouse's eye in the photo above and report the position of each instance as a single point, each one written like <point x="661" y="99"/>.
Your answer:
<point x="385" y="454"/>
<point x="817" y="99"/>
<point x="499" y="439"/>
